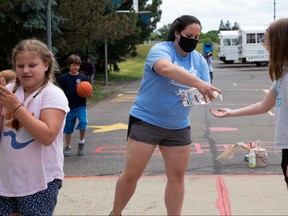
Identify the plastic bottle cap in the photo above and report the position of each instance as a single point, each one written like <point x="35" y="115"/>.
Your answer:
<point x="216" y="94"/>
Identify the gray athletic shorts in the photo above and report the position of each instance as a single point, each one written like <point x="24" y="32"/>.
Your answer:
<point x="143" y="132"/>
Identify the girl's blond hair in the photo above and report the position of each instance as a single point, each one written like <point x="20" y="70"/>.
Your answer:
<point x="37" y="47"/>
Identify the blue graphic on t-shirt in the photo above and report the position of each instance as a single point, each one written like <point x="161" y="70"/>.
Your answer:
<point x="14" y="143"/>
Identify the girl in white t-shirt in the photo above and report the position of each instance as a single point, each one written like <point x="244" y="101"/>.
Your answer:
<point x="32" y="110"/>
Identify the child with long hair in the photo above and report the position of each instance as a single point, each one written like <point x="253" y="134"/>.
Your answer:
<point x="275" y="40"/>
<point x="32" y="111"/>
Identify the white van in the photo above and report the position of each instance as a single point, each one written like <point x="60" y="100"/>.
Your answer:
<point x="250" y="47"/>
<point x="227" y="49"/>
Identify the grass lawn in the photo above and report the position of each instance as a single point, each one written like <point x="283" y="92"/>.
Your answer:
<point x="130" y="70"/>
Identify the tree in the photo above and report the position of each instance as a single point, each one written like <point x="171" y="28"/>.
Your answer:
<point x="227" y="26"/>
<point x="88" y="25"/>
<point x="78" y="26"/>
<point x="20" y="20"/>
<point x="222" y="26"/>
<point x="211" y="36"/>
<point x="236" y="26"/>
<point x="164" y="31"/>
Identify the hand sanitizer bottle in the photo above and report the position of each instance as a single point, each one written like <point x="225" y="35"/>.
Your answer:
<point x="193" y="97"/>
<point x="252" y="157"/>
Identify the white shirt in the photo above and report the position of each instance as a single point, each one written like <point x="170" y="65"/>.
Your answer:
<point x="26" y="166"/>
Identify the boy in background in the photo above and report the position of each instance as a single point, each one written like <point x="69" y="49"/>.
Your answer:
<point x="88" y="69"/>
<point x="78" y="106"/>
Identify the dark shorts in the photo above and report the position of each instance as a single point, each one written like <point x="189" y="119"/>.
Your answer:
<point x="39" y="204"/>
<point x="284" y="163"/>
<point x="143" y="132"/>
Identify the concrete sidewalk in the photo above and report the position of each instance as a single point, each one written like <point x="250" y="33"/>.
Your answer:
<point x="205" y="195"/>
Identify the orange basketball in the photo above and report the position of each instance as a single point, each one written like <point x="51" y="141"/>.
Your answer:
<point x="84" y="88"/>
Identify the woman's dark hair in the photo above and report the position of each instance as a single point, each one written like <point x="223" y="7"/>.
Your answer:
<point x="181" y="23"/>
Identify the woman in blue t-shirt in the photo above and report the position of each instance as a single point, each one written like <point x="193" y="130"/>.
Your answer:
<point x="158" y="116"/>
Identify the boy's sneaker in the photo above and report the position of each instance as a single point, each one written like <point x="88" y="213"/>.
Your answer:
<point x="67" y="152"/>
<point x="80" y="151"/>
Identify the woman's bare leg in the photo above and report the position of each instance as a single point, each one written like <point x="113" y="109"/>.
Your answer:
<point x="176" y="160"/>
<point x="137" y="157"/>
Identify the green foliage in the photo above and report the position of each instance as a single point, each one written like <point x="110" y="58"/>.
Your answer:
<point x="20" y="20"/>
<point x="29" y="5"/>
<point x="130" y="70"/>
<point x="78" y="26"/>
<point x="88" y="27"/>
<point x="227" y="26"/>
<point x="211" y="36"/>
<point x="161" y="34"/>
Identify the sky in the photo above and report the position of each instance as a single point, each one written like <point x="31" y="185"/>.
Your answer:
<point x="211" y="12"/>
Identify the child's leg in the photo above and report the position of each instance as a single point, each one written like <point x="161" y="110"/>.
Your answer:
<point x="83" y="121"/>
<point x="68" y="140"/>
<point x="67" y="149"/>
<point x="82" y="134"/>
<point x="82" y="116"/>
<point x="80" y="150"/>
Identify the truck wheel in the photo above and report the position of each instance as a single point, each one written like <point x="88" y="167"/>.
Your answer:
<point x="229" y="62"/>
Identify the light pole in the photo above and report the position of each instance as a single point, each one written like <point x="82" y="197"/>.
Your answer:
<point x="48" y="25"/>
<point x="106" y="62"/>
<point x="274" y="10"/>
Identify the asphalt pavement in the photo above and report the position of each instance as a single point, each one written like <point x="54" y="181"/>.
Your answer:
<point x="260" y="192"/>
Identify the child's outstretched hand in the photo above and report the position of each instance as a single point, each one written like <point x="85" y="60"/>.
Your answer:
<point x="220" y="113"/>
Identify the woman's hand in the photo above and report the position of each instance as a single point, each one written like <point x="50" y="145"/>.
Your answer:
<point x="207" y="90"/>
<point x="220" y="113"/>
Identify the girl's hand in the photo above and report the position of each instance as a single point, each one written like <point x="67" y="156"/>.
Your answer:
<point x="220" y="113"/>
<point x="2" y="81"/>
<point x="7" y="98"/>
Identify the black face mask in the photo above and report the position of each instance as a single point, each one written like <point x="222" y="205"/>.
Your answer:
<point x="187" y="44"/>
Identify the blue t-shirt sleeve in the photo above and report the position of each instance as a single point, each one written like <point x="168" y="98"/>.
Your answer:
<point x="157" y="52"/>
<point x="164" y="50"/>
